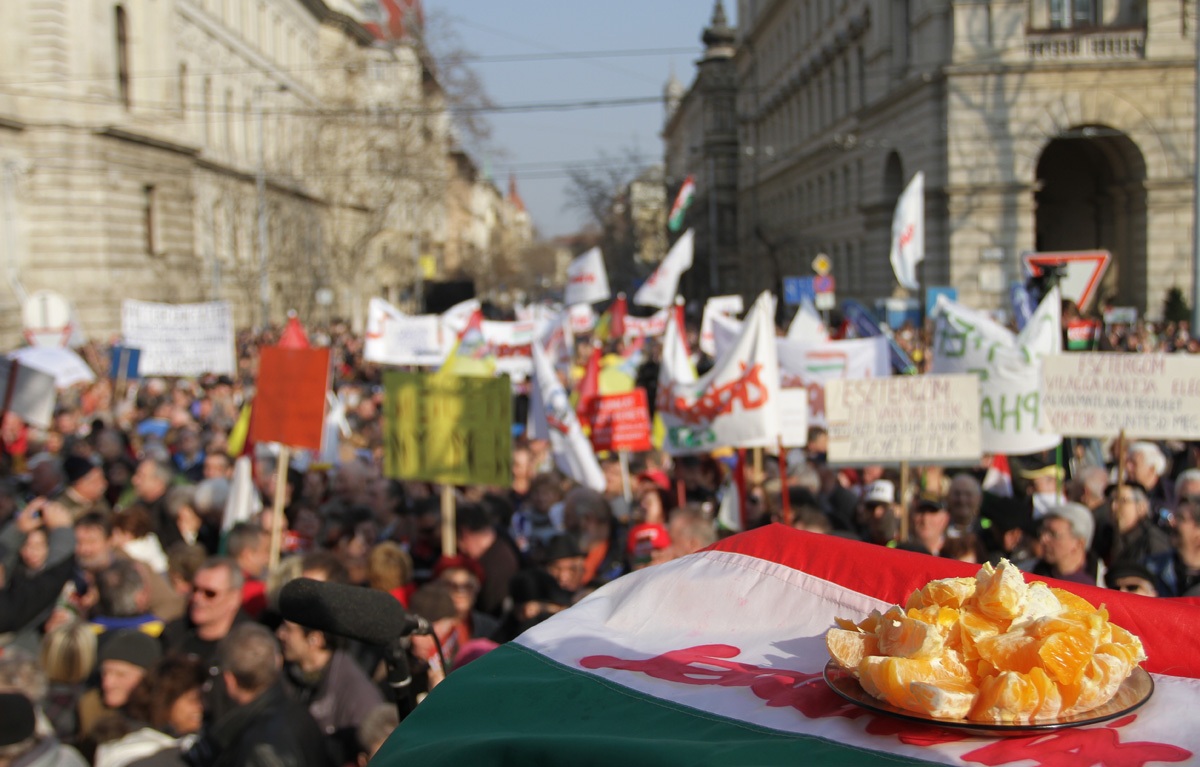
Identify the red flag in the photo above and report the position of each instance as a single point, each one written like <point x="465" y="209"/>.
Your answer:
<point x="616" y="322"/>
<point x="293" y="336"/>
<point x="589" y="388"/>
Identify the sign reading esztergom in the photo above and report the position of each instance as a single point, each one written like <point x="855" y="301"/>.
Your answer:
<point x="924" y="419"/>
<point x="1156" y="396"/>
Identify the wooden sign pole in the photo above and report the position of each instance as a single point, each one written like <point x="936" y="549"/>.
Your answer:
<point x="449" y="524"/>
<point x="903" y="499"/>
<point x="281" y="469"/>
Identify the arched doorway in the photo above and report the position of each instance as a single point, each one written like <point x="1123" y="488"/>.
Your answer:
<point x="1091" y="195"/>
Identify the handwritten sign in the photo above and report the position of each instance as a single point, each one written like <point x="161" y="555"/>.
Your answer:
<point x="932" y="419"/>
<point x="1156" y="396"/>
<point x="180" y="339"/>
<point x="448" y="429"/>
<point x="289" y="399"/>
<point x="622" y="422"/>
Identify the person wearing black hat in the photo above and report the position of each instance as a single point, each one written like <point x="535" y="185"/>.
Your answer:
<point x="124" y="659"/>
<point x="930" y="521"/>
<point x="85" y="487"/>
<point x="482" y="541"/>
<point x="1132" y="577"/>
<point x="20" y="743"/>
<point x="543" y="590"/>
<point x="1008" y="531"/>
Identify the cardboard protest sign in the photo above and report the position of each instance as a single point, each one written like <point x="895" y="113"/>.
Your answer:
<point x="924" y="419"/>
<point x="448" y="429"/>
<point x="793" y="417"/>
<point x="1008" y="366"/>
<point x="180" y="339"/>
<point x="736" y="403"/>
<point x="289" y="400"/>
<point x="29" y="393"/>
<point x="395" y="338"/>
<point x="1152" y="396"/>
<point x="622" y="422"/>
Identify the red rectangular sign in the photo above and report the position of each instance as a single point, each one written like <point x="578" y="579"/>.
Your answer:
<point x="622" y="422"/>
<point x="289" y="401"/>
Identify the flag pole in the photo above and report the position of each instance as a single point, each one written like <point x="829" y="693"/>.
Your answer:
<point x="449" y="525"/>
<point x="281" y="469"/>
<point x="784" y="502"/>
<point x="903" y="534"/>
<point x="739" y="481"/>
<point x="625" y="484"/>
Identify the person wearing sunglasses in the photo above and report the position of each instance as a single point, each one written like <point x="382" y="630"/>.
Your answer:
<point x="1131" y="577"/>
<point x="214" y="609"/>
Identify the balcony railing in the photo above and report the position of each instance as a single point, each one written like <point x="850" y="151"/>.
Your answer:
<point x="1086" y="45"/>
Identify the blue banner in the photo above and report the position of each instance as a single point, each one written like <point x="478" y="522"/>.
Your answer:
<point x="865" y="325"/>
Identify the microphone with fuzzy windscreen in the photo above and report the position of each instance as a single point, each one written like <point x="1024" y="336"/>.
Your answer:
<point x="356" y="612"/>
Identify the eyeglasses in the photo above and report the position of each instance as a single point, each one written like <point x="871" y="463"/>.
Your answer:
<point x="200" y="591"/>
<point x="1128" y="587"/>
<point x="461" y="587"/>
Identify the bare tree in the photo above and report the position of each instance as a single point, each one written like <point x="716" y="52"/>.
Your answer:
<point x="600" y="191"/>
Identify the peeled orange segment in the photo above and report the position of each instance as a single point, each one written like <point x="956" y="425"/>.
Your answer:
<point x="1010" y="651"/>
<point x="1099" y="682"/>
<point x="1065" y="654"/>
<point x="906" y="637"/>
<point x="947" y="592"/>
<point x="945" y="700"/>
<point x="891" y="679"/>
<point x="1000" y="591"/>
<point x="1040" y="602"/>
<point x="849" y="648"/>
<point x="1071" y="602"/>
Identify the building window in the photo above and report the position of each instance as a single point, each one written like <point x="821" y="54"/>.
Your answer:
<point x="183" y="72"/>
<point x="1066" y="14"/>
<point x="207" y="110"/>
<point x="122" y="56"/>
<point x="150" y="219"/>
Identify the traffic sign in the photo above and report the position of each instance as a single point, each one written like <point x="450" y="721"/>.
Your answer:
<point x="47" y="319"/>
<point x="1082" y="271"/>
<point x="821" y="264"/>
<point x="823" y="288"/>
<point x="797" y="289"/>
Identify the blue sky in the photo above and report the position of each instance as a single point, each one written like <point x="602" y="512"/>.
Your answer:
<point x="541" y="144"/>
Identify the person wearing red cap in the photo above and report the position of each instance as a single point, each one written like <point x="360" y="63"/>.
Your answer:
<point x="649" y="544"/>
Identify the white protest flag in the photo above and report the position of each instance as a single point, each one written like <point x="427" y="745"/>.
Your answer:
<point x="646" y="327"/>
<point x="582" y="318"/>
<point x="396" y="338"/>
<point x="511" y="343"/>
<point x="676" y="358"/>
<point x="660" y="287"/>
<point x="726" y="305"/>
<point x="244" y="501"/>
<point x="587" y="279"/>
<point x="457" y="317"/>
<point x="807" y="324"/>
<point x="908" y="232"/>
<point x="1008" y="366"/>
<point x="810" y="365"/>
<point x="552" y="417"/>
<point x="735" y="404"/>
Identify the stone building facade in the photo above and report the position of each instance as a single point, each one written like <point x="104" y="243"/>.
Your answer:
<point x="278" y="154"/>
<point x="701" y="141"/>
<point x="1045" y="125"/>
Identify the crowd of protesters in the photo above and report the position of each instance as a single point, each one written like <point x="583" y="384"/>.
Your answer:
<point x="140" y="629"/>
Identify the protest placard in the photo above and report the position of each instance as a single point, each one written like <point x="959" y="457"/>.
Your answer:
<point x="27" y="392"/>
<point x="289" y="399"/>
<point x="622" y="422"/>
<point x="448" y="429"/>
<point x="1152" y="396"/>
<point x="932" y="419"/>
<point x="395" y="338"/>
<point x="180" y="339"/>
<point x="793" y="417"/>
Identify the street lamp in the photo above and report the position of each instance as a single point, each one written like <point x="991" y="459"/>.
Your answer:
<point x="264" y="284"/>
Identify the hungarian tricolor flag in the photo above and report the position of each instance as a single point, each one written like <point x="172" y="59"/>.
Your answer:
<point x="683" y="201"/>
<point x="717" y="659"/>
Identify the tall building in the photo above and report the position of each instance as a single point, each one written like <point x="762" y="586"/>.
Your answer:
<point x="1040" y="125"/>
<point x="277" y="154"/>
<point x="701" y="142"/>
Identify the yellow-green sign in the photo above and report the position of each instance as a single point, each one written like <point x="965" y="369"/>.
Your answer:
<point x="447" y="429"/>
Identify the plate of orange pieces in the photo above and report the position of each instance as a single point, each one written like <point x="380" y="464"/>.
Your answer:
<point x="990" y="654"/>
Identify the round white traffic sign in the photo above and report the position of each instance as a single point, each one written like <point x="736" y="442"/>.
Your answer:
<point x="47" y="319"/>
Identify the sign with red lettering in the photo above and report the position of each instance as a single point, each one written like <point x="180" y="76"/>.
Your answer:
<point x="289" y="402"/>
<point x="622" y="422"/>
